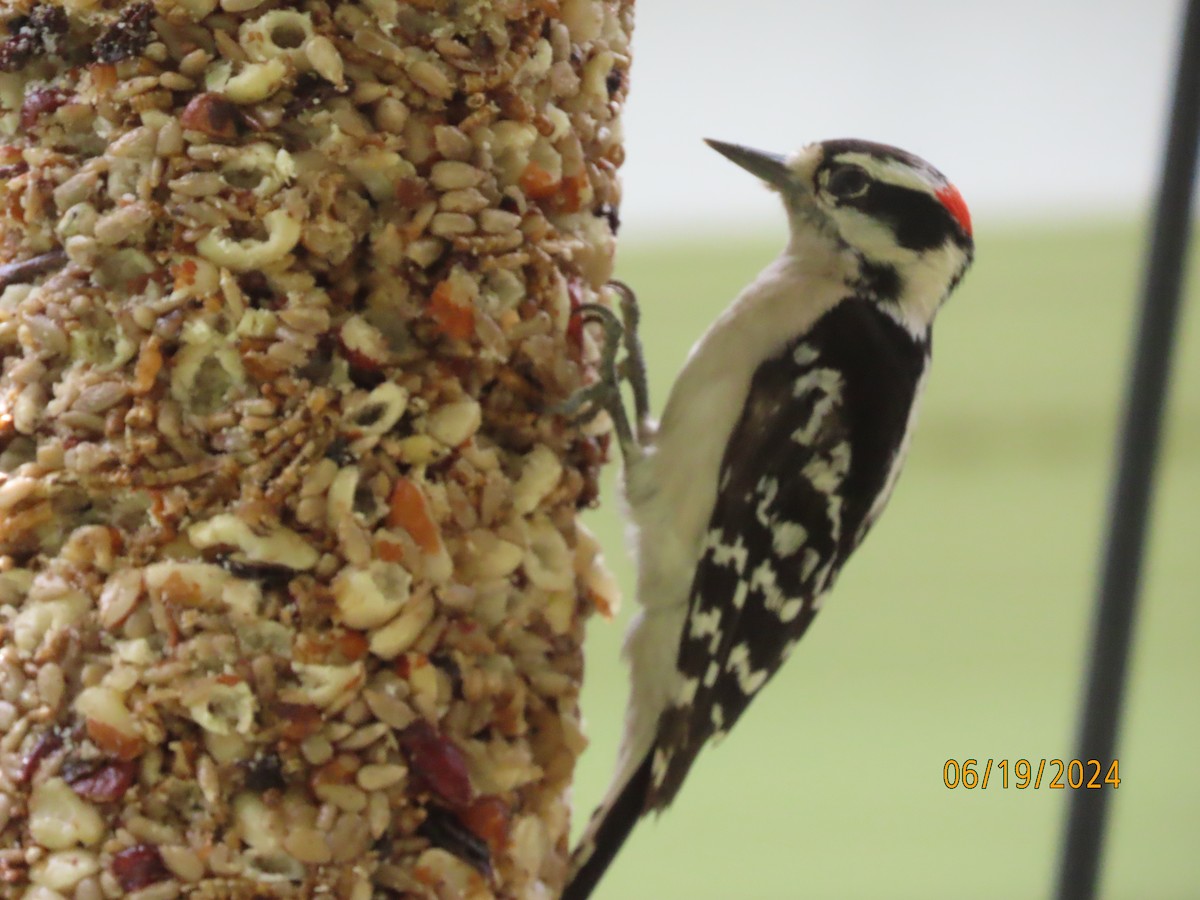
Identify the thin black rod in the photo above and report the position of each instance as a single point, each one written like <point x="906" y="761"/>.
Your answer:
<point x="1129" y="502"/>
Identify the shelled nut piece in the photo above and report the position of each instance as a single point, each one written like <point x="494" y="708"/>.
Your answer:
<point x="291" y="584"/>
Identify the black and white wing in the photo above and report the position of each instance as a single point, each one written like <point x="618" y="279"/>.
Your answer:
<point x="805" y="472"/>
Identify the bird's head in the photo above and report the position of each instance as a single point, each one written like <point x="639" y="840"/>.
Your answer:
<point x="904" y="223"/>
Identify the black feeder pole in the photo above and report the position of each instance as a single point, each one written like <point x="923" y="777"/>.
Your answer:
<point x="1129" y="502"/>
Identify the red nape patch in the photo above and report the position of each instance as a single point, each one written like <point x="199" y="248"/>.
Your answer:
<point x="956" y="206"/>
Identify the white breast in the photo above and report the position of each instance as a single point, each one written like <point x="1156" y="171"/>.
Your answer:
<point x="672" y="489"/>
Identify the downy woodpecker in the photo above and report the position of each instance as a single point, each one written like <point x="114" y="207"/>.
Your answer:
<point x="779" y="445"/>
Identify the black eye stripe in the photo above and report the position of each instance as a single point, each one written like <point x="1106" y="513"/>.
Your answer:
<point x="919" y="221"/>
<point x="847" y="180"/>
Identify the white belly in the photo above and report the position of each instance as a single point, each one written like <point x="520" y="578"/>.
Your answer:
<point x="671" y="489"/>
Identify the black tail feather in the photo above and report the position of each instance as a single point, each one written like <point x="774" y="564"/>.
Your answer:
<point x="593" y="857"/>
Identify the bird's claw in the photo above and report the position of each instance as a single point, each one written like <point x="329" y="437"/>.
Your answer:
<point x="633" y="367"/>
<point x="605" y="394"/>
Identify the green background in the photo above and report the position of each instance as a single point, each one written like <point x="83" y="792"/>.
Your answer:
<point x="959" y="629"/>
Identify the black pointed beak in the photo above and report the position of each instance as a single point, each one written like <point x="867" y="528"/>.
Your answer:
<point x="770" y="167"/>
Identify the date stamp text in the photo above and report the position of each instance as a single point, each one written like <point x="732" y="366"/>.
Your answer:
<point x="1024" y="774"/>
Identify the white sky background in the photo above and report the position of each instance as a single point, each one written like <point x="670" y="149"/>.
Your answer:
<point x="1051" y="109"/>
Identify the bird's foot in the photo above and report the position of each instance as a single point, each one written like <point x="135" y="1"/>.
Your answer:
<point x="604" y="395"/>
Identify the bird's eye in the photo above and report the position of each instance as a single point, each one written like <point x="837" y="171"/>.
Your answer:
<point x="847" y="181"/>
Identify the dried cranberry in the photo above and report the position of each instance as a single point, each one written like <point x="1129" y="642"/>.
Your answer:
<point x="139" y="866"/>
<point x="438" y="762"/>
<point x="105" y="783"/>
<point x="31" y="36"/>
<point x="40" y="101"/>
<point x="126" y="37"/>
<point x="43" y="747"/>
